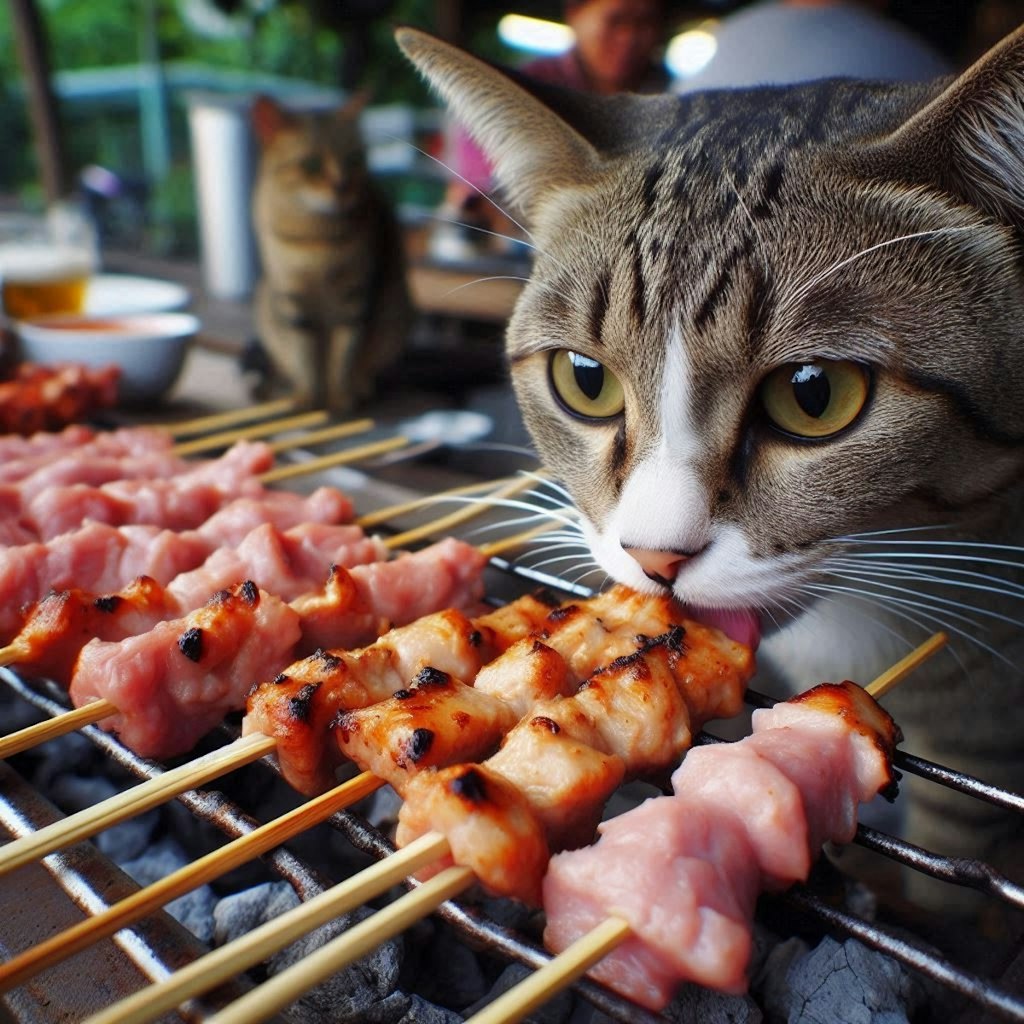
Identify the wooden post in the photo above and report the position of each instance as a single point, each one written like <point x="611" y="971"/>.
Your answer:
<point x="33" y="54"/>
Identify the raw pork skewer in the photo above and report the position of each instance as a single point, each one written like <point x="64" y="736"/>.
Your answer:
<point x="104" y="558"/>
<point x="758" y="843"/>
<point x="288" y="563"/>
<point x="37" y="449"/>
<point x="179" y="503"/>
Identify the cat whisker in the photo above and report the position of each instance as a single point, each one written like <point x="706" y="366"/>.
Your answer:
<point x="899" y="529"/>
<point x="890" y="604"/>
<point x="532" y="559"/>
<point x="801" y="290"/>
<point x="750" y="219"/>
<point x="981" y="545"/>
<point x="909" y="556"/>
<point x="886" y="628"/>
<point x="929" y="601"/>
<point x="479" y="191"/>
<point x="944" y="575"/>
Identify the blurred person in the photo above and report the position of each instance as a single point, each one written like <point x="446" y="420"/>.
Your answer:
<point x="616" y="49"/>
<point x="776" y="42"/>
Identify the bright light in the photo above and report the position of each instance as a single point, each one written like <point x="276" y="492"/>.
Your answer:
<point x="690" y="52"/>
<point x="534" y="34"/>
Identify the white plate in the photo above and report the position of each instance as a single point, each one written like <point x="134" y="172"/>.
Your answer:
<point x="124" y="293"/>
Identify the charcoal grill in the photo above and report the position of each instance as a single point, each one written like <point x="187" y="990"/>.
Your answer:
<point x="50" y="895"/>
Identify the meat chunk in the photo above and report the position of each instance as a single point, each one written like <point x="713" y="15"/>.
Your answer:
<point x="488" y="824"/>
<point x="60" y="625"/>
<point x="678" y="876"/>
<point x="298" y="707"/>
<point x="436" y="721"/>
<point x="566" y="782"/>
<point x="358" y="604"/>
<point x="176" y="682"/>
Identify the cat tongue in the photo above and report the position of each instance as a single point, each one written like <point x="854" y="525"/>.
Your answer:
<point x="740" y="624"/>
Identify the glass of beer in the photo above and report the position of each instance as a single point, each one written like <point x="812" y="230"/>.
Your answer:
<point x="46" y="261"/>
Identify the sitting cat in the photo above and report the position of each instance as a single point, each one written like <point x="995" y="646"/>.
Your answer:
<point x="773" y="345"/>
<point x="332" y="307"/>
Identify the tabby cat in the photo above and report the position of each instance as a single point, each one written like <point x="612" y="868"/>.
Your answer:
<point x="332" y="308"/>
<point x="773" y="344"/>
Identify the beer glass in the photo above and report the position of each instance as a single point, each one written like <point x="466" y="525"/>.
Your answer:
<point x="46" y="261"/>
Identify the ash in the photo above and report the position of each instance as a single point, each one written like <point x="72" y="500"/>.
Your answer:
<point x="428" y="975"/>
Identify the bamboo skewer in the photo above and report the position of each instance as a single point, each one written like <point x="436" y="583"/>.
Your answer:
<point x="133" y="801"/>
<point x="41" y="732"/>
<point x="898" y="672"/>
<point x="227" y="961"/>
<point x="382" y="515"/>
<point x="343" y="458"/>
<point x="240" y="851"/>
<point x="536" y="989"/>
<point x="314" y="437"/>
<point x="496" y="547"/>
<point x="215" y="421"/>
<point x="228" y="437"/>
<point x="284" y="988"/>
<point x="586" y="951"/>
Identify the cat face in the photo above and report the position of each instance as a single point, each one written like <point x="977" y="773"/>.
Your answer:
<point x="716" y="373"/>
<point x="312" y="164"/>
<point x="761" y="321"/>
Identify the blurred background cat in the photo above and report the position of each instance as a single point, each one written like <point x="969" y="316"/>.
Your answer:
<point x="332" y="308"/>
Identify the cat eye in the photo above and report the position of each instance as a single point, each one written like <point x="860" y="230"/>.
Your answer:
<point x="585" y="387"/>
<point x="815" y="400"/>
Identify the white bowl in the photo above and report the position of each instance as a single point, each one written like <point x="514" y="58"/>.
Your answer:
<point x="149" y="348"/>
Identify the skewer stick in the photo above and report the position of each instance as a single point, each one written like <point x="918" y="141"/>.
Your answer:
<point x="217" y="420"/>
<point x="227" y="961"/>
<point x="365" y="451"/>
<point x="32" y="735"/>
<point x="133" y="801"/>
<point x="334" y="433"/>
<point x="229" y="437"/>
<point x="577" y="958"/>
<point x="240" y="851"/>
<point x="382" y="515"/>
<point x="898" y="672"/>
<point x="547" y="981"/>
<point x="284" y="988"/>
<point x="459" y="516"/>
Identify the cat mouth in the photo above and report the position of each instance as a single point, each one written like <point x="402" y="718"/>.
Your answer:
<point x="743" y="625"/>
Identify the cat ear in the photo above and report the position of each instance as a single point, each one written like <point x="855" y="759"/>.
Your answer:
<point x="533" y="150"/>
<point x="971" y="136"/>
<point x="268" y="119"/>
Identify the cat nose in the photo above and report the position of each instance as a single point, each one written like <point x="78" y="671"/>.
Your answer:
<point x="661" y="566"/>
